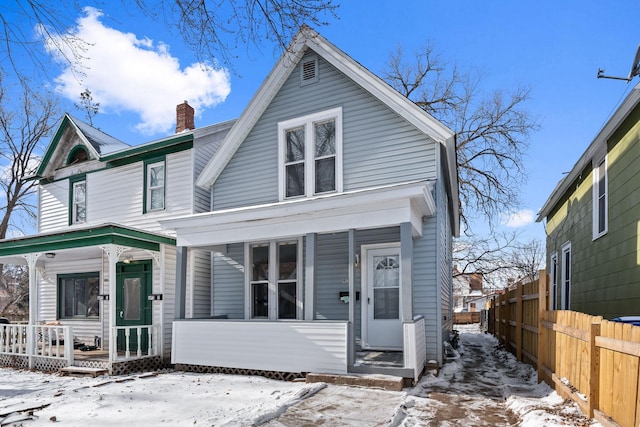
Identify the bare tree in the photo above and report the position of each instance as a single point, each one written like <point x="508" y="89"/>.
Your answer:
<point x="23" y="125"/>
<point x="500" y="258"/>
<point x="213" y="29"/>
<point x="491" y="129"/>
<point x="87" y="104"/>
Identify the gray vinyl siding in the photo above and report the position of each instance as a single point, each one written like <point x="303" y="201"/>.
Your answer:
<point x="205" y="145"/>
<point x="445" y="264"/>
<point x="332" y="276"/>
<point x="425" y="282"/>
<point x="379" y="147"/>
<point x="201" y="291"/>
<point x="228" y="279"/>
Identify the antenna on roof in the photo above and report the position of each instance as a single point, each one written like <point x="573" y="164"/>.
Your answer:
<point x="635" y="69"/>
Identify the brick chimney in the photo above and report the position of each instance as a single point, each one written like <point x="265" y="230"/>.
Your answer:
<point x="184" y="117"/>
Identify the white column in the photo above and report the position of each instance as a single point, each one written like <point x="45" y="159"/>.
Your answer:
<point x="309" y="277"/>
<point x="351" y="345"/>
<point x="406" y="266"/>
<point x="113" y="253"/>
<point x="33" y="304"/>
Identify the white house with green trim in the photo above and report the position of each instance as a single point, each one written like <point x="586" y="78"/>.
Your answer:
<point x="334" y="200"/>
<point x="313" y="234"/>
<point x="101" y="267"/>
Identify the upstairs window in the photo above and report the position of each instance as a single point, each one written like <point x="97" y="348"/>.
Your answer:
<point x="566" y="277"/>
<point x="154" y="186"/>
<point x="600" y="202"/>
<point x="554" y="281"/>
<point x="310" y="155"/>
<point x="77" y="155"/>
<point x="78" y="200"/>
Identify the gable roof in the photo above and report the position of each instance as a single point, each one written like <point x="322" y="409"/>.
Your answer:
<point x="307" y="38"/>
<point x="96" y="141"/>
<point x="597" y="148"/>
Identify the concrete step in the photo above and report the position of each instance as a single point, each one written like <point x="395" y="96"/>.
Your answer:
<point x="83" y="371"/>
<point x="386" y="382"/>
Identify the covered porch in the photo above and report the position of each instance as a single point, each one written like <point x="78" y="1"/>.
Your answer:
<point x="75" y="317"/>
<point x="295" y="286"/>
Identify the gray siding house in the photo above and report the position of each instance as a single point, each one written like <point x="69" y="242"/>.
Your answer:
<point x="334" y="201"/>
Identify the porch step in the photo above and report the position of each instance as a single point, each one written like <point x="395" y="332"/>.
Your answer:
<point x="387" y="382"/>
<point x="83" y="371"/>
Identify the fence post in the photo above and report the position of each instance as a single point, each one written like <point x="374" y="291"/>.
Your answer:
<point x="542" y="309"/>
<point x="594" y="368"/>
<point x="519" y="317"/>
<point x="505" y="319"/>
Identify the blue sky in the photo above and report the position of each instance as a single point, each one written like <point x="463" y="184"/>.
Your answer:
<point x="554" y="47"/>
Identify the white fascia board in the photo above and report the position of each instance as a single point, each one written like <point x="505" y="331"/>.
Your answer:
<point x="368" y="209"/>
<point x="402" y="105"/>
<point x="252" y="112"/>
<point x="630" y="102"/>
<point x="306" y="37"/>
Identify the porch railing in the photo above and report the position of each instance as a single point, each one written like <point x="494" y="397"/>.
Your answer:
<point x="415" y="347"/>
<point x="134" y="342"/>
<point x="46" y="341"/>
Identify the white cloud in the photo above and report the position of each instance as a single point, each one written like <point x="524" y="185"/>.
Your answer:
<point x="131" y="74"/>
<point x="518" y="219"/>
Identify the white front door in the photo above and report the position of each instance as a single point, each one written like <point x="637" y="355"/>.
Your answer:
<point x="382" y="314"/>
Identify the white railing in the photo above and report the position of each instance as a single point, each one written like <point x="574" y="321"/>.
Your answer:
<point x="133" y="342"/>
<point x="13" y="339"/>
<point x="415" y="346"/>
<point x="46" y="341"/>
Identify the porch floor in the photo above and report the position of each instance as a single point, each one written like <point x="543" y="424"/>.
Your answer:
<point x="382" y="359"/>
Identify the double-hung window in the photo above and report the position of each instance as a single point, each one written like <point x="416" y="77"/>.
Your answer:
<point x="154" y="186"/>
<point x="554" y="281"/>
<point x="600" y="202"/>
<point x="78" y="200"/>
<point x="566" y="276"/>
<point x="78" y="295"/>
<point x="310" y="155"/>
<point x="274" y="280"/>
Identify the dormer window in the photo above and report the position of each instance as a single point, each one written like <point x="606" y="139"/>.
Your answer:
<point x="77" y="155"/>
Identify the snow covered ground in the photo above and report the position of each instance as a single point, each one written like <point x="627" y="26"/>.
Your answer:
<point x="483" y="386"/>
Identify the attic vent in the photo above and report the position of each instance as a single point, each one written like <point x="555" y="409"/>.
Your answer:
<point x="309" y="71"/>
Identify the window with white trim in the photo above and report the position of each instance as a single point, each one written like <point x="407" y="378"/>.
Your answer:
<point x="566" y="276"/>
<point x="554" y="281"/>
<point x="79" y="202"/>
<point x="155" y="188"/>
<point x="78" y="295"/>
<point x="273" y="280"/>
<point x="310" y="155"/>
<point x="600" y="199"/>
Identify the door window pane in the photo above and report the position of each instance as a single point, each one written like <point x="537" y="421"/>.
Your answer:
<point x="260" y="264"/>
<point x="386" y="303"/>
<point x="386" y="271"/>
<point x="259" y="300"/>
<point x="132" y="299"/>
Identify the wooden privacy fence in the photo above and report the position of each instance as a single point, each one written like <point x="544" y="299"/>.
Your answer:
<point x="592" y="361"/>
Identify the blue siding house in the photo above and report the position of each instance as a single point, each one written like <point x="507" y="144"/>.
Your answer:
<point x="334" y="201"/>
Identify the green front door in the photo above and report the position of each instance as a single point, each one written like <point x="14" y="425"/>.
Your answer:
<point x="133" y="307"/>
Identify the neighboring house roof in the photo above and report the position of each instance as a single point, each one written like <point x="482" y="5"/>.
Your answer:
<point x="597" y="148"/>
<point x="106" y="148"/>
<point x="310" y="39"/>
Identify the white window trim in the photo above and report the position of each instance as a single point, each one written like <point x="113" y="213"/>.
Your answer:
<point x="309" y="166"/>
<point x="554" y="281"/>
<point x="596" y="196"/>
<point x="565" y="303"/>
<point x="273" y="279"/>
<point x="74" y="219"/>
<point x="150" y="188"/>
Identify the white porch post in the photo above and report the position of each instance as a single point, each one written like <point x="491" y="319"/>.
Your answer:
<point x="181" y="282"/>
<point x="32" y="258"/>
<point x="406" y="266"/>
<point x="309" y="277"/>
<point x="351" y="357"/>
<point x="113" y="253"/>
